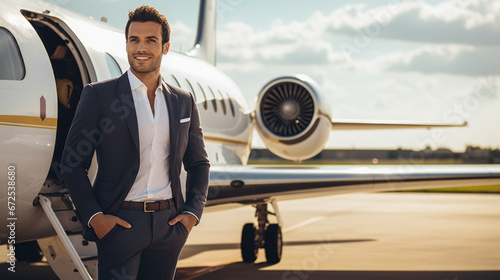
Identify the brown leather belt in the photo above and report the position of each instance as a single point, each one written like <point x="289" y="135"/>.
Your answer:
<point x="148" y="206"/>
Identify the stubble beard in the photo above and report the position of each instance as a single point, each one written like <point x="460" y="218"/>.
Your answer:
<point x="145" y="69"/>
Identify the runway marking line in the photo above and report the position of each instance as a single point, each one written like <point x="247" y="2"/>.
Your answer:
<point x="304" y="223"/>
<point x="225" y="263"/>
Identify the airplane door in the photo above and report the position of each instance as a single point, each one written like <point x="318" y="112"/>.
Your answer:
<point x="28" y="115"/>
<point x="89" y="61"/>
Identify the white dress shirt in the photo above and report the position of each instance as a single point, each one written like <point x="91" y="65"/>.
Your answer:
<point x="152" y="181"/>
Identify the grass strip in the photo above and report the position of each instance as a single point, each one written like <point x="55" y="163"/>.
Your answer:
<point x="471" y="189"/>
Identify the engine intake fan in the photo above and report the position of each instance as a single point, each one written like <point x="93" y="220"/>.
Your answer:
<point x="293" y="117"/>
<point x="287" y="109"/>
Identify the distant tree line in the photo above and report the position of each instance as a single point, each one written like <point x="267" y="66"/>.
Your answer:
<point x="472" y="154"/>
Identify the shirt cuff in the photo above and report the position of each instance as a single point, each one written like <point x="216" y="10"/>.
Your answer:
<point x="88" y="223"/>
<point x="187" y="212"/>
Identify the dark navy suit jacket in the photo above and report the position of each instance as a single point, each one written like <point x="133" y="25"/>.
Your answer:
<point x="106" y="123"/>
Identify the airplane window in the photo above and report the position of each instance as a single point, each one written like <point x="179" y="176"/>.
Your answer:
<point x="231" y="105"/>
<point x="192" y="89"/>
<point x="114" y="68"/>
<point x="12" y="65"/>
<point x="214" y="101"/>
<point x="223" y="104"/>
<point x="176" y="81"/>
<point x="204" y="97"/>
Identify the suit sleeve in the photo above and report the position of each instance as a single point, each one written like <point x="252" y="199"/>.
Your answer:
<point x="197" y="167"/>
<point x="83" y="138"/>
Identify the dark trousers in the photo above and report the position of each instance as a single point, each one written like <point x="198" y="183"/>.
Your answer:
<point x="148" y="250"/>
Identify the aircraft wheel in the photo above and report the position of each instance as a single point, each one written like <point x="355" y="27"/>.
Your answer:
<point x="273" y="243"/>
<point x="249" y="249"/>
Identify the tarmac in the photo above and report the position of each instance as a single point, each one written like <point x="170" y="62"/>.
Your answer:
<point x="356" y="236"/>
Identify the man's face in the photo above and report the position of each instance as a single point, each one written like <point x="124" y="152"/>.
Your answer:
<point x="144" y="47"/>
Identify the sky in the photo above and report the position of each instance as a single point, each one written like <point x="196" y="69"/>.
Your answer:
<point x="428" y="61"/>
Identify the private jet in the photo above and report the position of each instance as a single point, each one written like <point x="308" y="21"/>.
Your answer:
<point x="48" y="54"/>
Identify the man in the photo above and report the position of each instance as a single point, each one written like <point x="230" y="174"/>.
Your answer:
<point x="142" y="130"/>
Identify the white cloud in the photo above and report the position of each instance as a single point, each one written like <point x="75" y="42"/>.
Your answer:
<point x="461" y="30"/>
<point x="453" y="59"/>
<point x="330" y="88"/>
<point x="181" y="36"/>
<point x="464" y="22"/>
<point x="407" y="84"/>
<point x="290" y="44"/>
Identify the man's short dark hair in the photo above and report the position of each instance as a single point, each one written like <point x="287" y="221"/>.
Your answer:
<point x="147" y="13"/>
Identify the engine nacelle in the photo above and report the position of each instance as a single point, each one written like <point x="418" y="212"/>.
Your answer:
<point x="293" y="117"/>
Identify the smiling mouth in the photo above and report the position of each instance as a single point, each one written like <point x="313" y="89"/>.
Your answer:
<point x="142" y="58"/>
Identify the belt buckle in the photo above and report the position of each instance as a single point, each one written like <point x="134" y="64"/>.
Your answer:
<point x="145" y="207"/>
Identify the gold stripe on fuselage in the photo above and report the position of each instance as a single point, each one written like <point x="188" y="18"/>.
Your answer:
<point x="28" y="121"/>
<point x="224" y="140"/>
<point x="51" y="123"/>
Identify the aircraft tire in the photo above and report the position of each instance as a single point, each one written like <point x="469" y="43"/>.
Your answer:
<point x="249" y="249"/>
<point x="273" y="243"/>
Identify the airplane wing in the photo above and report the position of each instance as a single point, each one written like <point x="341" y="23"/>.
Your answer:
<point x="251" y="184"/>
<point x="369" y="124"/>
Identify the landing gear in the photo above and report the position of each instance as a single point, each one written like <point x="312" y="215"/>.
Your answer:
<point x="249" y="249"/>
<point x="265" y="235"/>
<point x="273" y="243"/>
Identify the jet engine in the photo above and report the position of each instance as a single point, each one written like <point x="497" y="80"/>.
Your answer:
<point x="293" y="117"/>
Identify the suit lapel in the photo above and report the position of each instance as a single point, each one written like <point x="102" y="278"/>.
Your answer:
<point x="124" y="94"/>
<point x="174" y="117"/>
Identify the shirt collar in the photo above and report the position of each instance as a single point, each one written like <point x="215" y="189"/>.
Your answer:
<point x="136" y="83"/>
